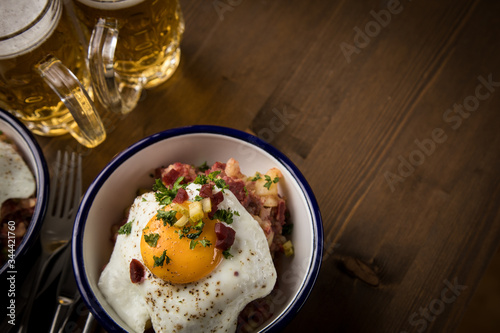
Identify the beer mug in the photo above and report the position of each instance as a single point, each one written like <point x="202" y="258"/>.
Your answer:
<point x="134" y="46"/>
<point x="36" y="38"/>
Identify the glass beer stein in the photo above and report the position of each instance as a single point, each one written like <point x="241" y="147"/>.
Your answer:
<point x="43" y="77"/>
<point x="134" y="45"/>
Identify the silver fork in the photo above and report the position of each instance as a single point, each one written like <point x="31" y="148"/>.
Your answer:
<point x="65" y="193"/>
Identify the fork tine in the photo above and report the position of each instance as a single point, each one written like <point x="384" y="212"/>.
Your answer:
<point x="69" y="188"/>
<point x="53" y="183"/>
<point x="61" y="193"/>
<point x="77" y="191"/>
<point x="78" y="187"/>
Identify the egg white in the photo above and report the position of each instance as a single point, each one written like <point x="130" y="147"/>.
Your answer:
<point x="15" y="176"/>
<point x="211" y="304"/>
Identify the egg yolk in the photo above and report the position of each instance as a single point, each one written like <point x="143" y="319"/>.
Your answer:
<point x="174" y="254"/>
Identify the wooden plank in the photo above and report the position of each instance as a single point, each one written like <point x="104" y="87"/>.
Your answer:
<point x="397" y="233"/>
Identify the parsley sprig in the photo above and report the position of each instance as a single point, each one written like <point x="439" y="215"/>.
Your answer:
<point x="227" y="254"/>
<point x="158" y="261"/>
<point x="168" y="217"/>
<point x="270" y="181"/>
<point x="211" y="177"/>
<point x="257" y="177"/>
<point x="204" y="167"/>
<point x="287" y="229"/>
<point x="152" y="239"/>
<point x="225" y="215"/>
<point x="204" y="242"/>
<point x="165" y="195"/>
<point x="125" y="229"/>
<point x="199" y="230"/>
<point x="191" y="232"/>
<point x="201" y="180"/>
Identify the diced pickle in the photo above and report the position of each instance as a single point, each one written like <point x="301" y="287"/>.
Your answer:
<point x="195" y="211"/>
<point x="288" y="248"/>
<point x="206" y="205"/>
<point x="181" y="222"/>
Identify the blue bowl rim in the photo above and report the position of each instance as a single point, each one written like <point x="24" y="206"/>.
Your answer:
<point x="77" y="249"/>
<point x="42" y="185"/>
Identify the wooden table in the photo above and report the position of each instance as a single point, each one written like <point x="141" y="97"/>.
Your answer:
<point x="391" y="111"/>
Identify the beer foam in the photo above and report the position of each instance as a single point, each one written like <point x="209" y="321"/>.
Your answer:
<point x="22" y="21"/>
<point x="110" y="4"/>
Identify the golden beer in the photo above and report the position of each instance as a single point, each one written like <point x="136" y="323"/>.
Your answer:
<point x="23" y="92"/>
<point x="149" y="35"/>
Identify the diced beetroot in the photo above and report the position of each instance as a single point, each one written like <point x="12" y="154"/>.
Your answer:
<point x="215" y="200"/>
<point x="181" y="196"/>
<point x="225" y="236"/>
<point x="170" y="177"/>
<point x="136" y="271"/>
<point x="206" y="191"/>
<point x="170" y="174"/>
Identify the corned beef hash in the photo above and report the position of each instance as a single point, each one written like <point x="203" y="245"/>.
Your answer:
<point x="196" y="251"/>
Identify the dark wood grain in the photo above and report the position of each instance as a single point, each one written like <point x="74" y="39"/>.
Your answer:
<point x="405" y="245"/>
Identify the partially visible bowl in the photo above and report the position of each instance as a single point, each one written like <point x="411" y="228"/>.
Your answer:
<point x="115" y="188"/>
<point x="33" y="156"/>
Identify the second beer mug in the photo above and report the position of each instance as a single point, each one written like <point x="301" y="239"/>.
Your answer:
<point x="48" y="94"/>
<point x="134" y="45"/>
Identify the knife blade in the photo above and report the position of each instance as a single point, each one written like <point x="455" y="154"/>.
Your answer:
<point x="67" y="294"/>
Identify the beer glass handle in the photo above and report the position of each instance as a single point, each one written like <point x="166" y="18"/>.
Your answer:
<point x="115" y="95"/>
<point x="87" y="128"/>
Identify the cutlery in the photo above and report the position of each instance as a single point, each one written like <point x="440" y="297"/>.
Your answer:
<point x="64" y="198"/>
<point x="67" y="295"/>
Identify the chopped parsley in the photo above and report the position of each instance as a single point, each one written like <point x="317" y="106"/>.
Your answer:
<point x="186" y="231"/>
<point x="201" y="180"/>
<point x="203" y="242"/>
<point x="165" y="195"/>
<point x="194" y="235"/>
<point x="212" y="176"/>
<point x="125" y="229"/>
<point x="257" y="177"/>
<point x="199" y="228"/>
<point x="198" y="198"/>
<point x="287" y="229"/>
<point x="225" y="215"/>
<point x="270" y="181"/>
<point x="204" y="167"/>
<point x="220" y="183"/>
<point x="152" y="239"/>
<point x="158" y="261"/>
<point x="226" y="254"/>
<point x="168" y="217"/>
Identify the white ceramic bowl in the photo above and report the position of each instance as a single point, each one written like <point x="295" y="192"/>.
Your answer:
<point x="33" y="156"/>
<point x="115" y="188"/>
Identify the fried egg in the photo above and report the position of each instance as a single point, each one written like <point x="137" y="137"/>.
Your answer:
<point x="219" y="289"/>
<point x="15" y="176"/>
